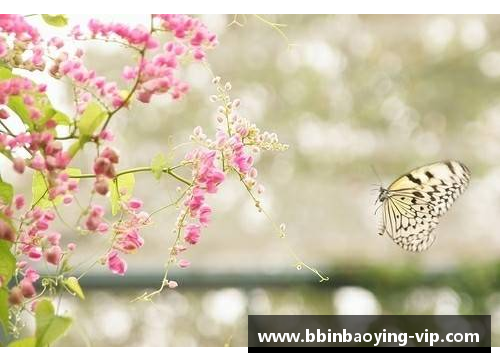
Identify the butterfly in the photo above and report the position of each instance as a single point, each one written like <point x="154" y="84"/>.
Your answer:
<point x="413" y="204"/>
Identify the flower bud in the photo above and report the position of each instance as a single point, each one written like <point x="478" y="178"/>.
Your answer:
<point x="101" y="186"/>
<point x="4" y="114"/>
<point x="183" y="263"/>
<point x="53" y="255"/>
<point x="6" y="232"/>
<point x="172" y="284"/>
<point x="110" y="154"/>
<point x="101" y="165"/>
<point x="16" y="296"/>
<point x="19" y="164"/>
<point x="27" y="288"/>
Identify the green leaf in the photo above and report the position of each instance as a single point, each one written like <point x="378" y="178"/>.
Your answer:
<point x="158" y="163"/>
<point x="57" y="20"/>
<point x="6" y="192"/>
<point x="122" y="188"/>
<point x="78" y="145"/>
<point x="42" y="103"/>
<point x="49" y="327"/>
<point x="7" y="268"/>
<point x="4" y="310"/>
<point x="25" y="342"/>
<point x="17" y="105"/>
<point x="7" y="261"/>
<point x="73" y="285"/>
<point x="5" y="72"/>
<point x="91" y="118"/>
<point x="39" y="189"/>
<point x="61" y="119"/>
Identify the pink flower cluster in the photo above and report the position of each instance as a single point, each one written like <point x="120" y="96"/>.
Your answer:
<point x="49" y="153"/>
<point x="154" y="75"/>
<point x="95" y="221"/>
<point x="86" y="80"/>
<point x="25" y="289"/>
<point x="15" y="27"/>
<point x="241" y="161"/>
<point x="36" y="242"/>
<point x="157" y="76"/>
<point x="48" y="157"/>
<point x="192" y="31"/>
<point x="17" y="86"/>
<point x="104" y="169"/>
<point x="127" y="238"/>
<point x="207" y="178"/>
<point x="138" y="36"/>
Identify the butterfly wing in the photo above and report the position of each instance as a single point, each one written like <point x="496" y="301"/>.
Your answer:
<point x="416" y="200"/>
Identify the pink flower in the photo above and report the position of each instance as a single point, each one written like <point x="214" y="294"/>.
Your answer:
<point x="172" y="284"/>
<point x="38" y="163"/>
<point x="196" y="200"/>
<point x="116" y="264"/>
<point x="103" y="166"/>
<point x="192" y="233"/>
<point x="129" y="73"/>
<point x="27" y="288"/>
<point x="106" y="135"/>
<point x="183" y="263"/>
<point x="54" y="238"/>
<point x="35" y="253"/>
<point x="71" y="246"/>
<point x="205" y="212"/>
<point x="19" y="201"/>
<point x="110" y="154"/>
<point x="53" y="255"/>
<point x="56" y="42"/>
<point x="101" y="185"/>
<point x="19" y="27"/>
<point x="131" y="240"/>
<point x="135" y="204"/>
<point x="31" y="274"/>
<point x="103" y="227"/>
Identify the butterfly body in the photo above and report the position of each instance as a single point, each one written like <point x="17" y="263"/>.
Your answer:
<point x="413" y="203"/>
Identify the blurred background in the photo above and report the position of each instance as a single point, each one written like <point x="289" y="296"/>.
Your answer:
<point x="353" y="94"/>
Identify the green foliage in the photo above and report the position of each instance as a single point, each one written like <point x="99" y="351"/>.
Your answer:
<point x="6" y="192"/>
<point x="25" y="342"/>
<point x="73" y="285"/>
<point x="5" y="72"/>
<point x="57" y="20"/>
<point x="39" y="189"/>
<point x="122" y="188"/>
<point x="49" y="327"/>
<point x="16" y="104"/>
<point x="42" y="103"/>
<point x="7" y="261"/>
<point x="4" y="309"/>
<point x="91" y="119"/>
<point x="158" y="163"/>
<point x="7" y="268"/>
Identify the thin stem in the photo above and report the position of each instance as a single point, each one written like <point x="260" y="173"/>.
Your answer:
<point x="168" y="170"/>
<point x="13" y="135"/>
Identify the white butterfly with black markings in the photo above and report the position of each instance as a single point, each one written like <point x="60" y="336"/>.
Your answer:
<point x="413" y="204"/>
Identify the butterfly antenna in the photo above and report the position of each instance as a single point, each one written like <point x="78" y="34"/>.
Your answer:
<point x="376" y="174"/>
